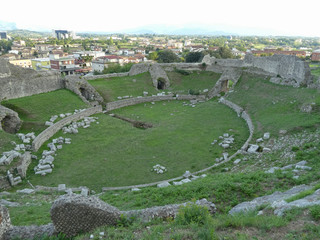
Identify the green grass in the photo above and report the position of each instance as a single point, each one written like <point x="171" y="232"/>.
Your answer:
<point x="273" y="107"/>
<point x="111" y="88"/>
<point x="35" y="110"/>
<point x="114" y="153"/>
<point x="31" y="215"/>
<point x="5" y="139"/>
<point x="197" y="80"/>
<point x="303" y="194"/>
<point x="316" y="72"/>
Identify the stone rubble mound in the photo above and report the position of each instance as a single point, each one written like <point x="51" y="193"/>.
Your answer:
<point x="276" y="200"/>
<point x="73" y="214"/>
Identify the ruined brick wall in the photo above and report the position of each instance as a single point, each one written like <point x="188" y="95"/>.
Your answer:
<point x="17" y="82"/>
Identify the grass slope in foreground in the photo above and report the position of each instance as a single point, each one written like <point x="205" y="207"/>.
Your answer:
<point x="273" y="107"/>
<point x="35" y="110"/>
<point x="114" y="153"/>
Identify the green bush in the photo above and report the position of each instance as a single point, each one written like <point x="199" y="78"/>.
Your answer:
<point x="315" y="212"/>
<point x="193" y="92"/>
<point x="193" y="214"/>
<point x="183" y="72"/>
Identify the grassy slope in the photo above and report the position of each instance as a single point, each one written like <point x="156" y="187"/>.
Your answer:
<point x="274" y="107"/>
<point x="111" y="88"/>
<point x="37" y="109"/>
<point x="196" y="81"/>
<point x="113" y="153"/>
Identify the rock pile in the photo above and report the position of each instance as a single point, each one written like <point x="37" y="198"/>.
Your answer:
<point x="61" y="116"/>
<point x="46" y="165"/>
<point x="158" y="169"/>
<point x="85" y="123"/>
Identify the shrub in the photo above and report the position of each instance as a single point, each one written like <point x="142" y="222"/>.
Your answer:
<point x="193" y="214"/>
<point x="182" y="72"/>
<point x="315" y="212"/>
<point x="295" y="149"/>
<point x="193" y="92"/>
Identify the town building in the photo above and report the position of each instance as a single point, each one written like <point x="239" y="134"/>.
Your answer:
<point x="102" y="62"/>
<point x="24" y="63"/>
<point x="315" y="55"/>
<point x="3" y="35"/>
<point x="63" y="34"/>
<point x="65" y="65"/>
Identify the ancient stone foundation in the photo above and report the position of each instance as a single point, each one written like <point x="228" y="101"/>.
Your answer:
<point x="9" y="119"/>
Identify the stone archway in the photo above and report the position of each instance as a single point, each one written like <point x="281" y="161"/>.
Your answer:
<point x="224" y="86"/>
<point x="85" y="93"/>
<point x="161" y="84"/>
<point x="10" y="124"/>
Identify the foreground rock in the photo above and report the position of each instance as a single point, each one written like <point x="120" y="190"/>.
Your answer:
<point x="269" y="199"/>
<point x="73" y="214"/>
<point x="166" y="211"/>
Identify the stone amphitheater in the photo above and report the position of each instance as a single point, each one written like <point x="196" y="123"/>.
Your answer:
<point x="73" y="213"/>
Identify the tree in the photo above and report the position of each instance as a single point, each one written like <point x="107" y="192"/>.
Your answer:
<point x="225" y="52"/>
<point x="153" y="56"/>
<point x="167" y="56"/>
<point x="194" y="57"/>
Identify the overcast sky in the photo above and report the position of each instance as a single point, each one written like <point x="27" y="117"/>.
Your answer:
<point x="277" y="17"/>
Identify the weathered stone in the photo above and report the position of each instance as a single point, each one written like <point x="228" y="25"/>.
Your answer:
<point x="7" y="203"/>
<point x="265" y="149"/>
<point x="167" y="211"/>
<point x="26" y="191"/>
<point x="269" y="199"/>
<point x="5" y="221"/>
<point x="237" y="161"/>
<point x="84" y="192"/>
<point x="186" y="174"/>
<point x="163" y="184"/>
<point x="61" y="187"/>
<point x="259" y="140"/>
<point x="272" y="170"/>
<point x="30" y="232"/>
<point x="253" y="148"/>
<point x="73" y="214"/>
<point x="266" y="135"/>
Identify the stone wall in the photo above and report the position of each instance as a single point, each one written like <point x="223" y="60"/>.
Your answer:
<point x="23" y="164"/>
<point x="82" y="88"/>
<point x="5" y="221"/>
<point x="158" y="73"/>
<point x="110" y="75"/>
<point x="133" y="101"/>
<point x="50" y="131"/>
<point x="9" y="120"/>
<point x="292" y="69"/>
<point x="17" y="82"/>
<point x="232" y="74"/>
<point x="241" y="113"/>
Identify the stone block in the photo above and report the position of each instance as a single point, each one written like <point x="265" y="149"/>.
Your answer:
<point x="74" y="214"/>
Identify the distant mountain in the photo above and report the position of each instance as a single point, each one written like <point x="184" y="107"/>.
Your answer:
<point x="174" y="30"/>
<point x="5" y="26"/>
<point x="28" y="33"/>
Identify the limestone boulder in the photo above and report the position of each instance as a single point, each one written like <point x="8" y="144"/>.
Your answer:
<point x="72" y="214"/>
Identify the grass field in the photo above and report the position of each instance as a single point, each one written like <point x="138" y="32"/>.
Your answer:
<point x="112" y="88"/>
<point x="114" y="153"/>
<point x="273" y="107"/>
<point x="316" y="72"/>
<point x="35" y="110"/>
<point x="198" y="80"/>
